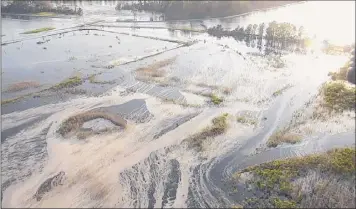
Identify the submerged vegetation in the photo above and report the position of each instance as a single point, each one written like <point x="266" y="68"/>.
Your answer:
<point x="283" y="181"/>
<point x="64" y="85"/>
<point x="39" y="30"/>
<point x="12" y="100"/>
<point x="218" y="127"/>
<point x="69" y="82"/>
<point x="20" y="86"/>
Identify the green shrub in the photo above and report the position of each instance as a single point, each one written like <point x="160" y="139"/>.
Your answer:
<point x="242" y="119"/>
<point x="218" y="127"/>
<point x="341" y="74"/>
<point x="215" y="99"/>
<point x="276" y="177"/>
<point x="278" y="203"/>
<point x="338" y="96"/>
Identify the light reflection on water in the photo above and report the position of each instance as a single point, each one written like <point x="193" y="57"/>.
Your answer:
<point x="334" y="21"/>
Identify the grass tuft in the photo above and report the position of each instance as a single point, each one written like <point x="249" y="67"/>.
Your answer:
<point x="280" y="91"/>
<point x="242" y="119"/>
<point x="283" y="137"/>
<point x="38" y="30"/>
<point x="215" y="99"/>
<point x="218" y="127"/>
<point x="22" y="86"/>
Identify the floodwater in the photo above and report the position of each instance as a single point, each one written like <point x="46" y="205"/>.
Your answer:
<point x="148" y="164"/>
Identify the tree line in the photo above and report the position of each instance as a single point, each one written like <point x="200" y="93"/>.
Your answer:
<point x="30" y="7"/>
<point x="277" y="35"/>
<point x="178" y="10"/>
<point x="275" y="31"/>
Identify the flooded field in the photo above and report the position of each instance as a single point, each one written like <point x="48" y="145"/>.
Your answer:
<point x="105" y="113"/>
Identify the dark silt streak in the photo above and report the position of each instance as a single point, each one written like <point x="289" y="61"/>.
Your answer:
<point x="14" y="130"/>
<point x="171" y="185"/>
<point x="152" y="186"/>
<point x="175" y="124"/>
<point x="14" y="166"/>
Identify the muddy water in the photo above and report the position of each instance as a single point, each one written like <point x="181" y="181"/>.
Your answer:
<point x="148" y="164"/>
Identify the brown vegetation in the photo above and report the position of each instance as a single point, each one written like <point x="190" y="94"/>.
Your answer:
<point x="22" y="86"/>
<point x="153" y="70"/>
<point x="283" y="137"/>
<point x="75" y="122"/>
<point x="93" y="80"/>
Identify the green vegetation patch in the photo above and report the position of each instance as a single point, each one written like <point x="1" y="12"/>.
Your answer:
<point x="338" y="96"/>
<point x="218" y="127"/>
<point x="69" y="82"/>
<point x="280" y="91"/>
<point x="39" y="30"/>
<point x="215" y="99"/>
<point x="283" y="137"/>
<point x="12" y="100"/>
<point x="341" y="74"/>
<point x="275" y="178"/>
<point x="337" y="161"/>
<point x="278" y="203"/>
